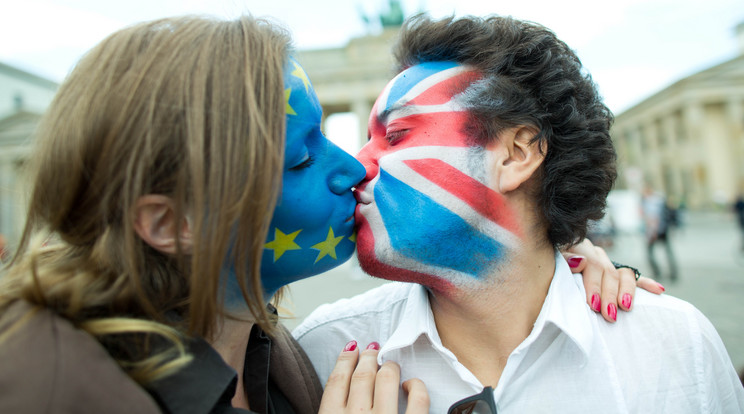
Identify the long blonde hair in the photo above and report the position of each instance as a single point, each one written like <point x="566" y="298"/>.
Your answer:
<point x="189" y="107"/>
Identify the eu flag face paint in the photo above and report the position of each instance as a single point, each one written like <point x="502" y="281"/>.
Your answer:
<point x="428" y="212"/>
<point x="312" y="229"/>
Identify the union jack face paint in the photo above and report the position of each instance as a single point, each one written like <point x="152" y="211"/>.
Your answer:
<point x="428" y="212"/>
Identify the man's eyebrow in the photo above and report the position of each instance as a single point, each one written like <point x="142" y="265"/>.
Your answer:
<point x="397" y="107"/>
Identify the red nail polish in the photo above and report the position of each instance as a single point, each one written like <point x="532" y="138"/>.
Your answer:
<point x="661" y="287"/>
<point x="351" y="346"/>
<point x="575" y="261"/>
<point x="374" y="345"/>
<point x="596" y="303"/>
<point x="612" y="311"/>
<point x="627" y="301"/>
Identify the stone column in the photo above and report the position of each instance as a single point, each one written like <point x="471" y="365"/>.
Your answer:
<point x="735" y="118"/>
<point x="651" y="156"/>
<point x="692" y="120"/>
<point x="672" y="159"/>
<point x="361" y="108"/>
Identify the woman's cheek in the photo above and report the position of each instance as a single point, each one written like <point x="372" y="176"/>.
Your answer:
<point x="302" y="202"/>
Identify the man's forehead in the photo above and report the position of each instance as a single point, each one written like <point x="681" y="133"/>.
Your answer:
<point x="425" y="84"/>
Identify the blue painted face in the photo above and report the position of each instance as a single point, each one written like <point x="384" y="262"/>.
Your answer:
<point x="312" y="229"/>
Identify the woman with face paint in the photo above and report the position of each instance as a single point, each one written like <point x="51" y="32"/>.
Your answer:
<point x="142" y="278"/>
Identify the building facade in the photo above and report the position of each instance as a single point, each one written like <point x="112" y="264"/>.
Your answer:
<point x="349" y="78"/>
<point x="23" y="99"/>
<point x="688" y="139"/>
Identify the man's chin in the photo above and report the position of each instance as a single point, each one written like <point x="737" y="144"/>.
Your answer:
<point x="372" y="266"/>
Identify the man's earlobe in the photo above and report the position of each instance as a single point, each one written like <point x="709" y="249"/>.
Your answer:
<point x="524" y="157"/>
<point x="155" y="223"/>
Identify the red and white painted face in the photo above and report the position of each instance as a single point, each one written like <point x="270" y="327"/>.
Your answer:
<point x="428" y="212"/>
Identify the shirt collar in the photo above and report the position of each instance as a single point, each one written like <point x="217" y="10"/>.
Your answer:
<point x="417" y="320"/>
<point x="564" y="307"/>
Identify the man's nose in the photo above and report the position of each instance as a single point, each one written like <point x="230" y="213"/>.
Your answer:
<point x="369" y="161"/>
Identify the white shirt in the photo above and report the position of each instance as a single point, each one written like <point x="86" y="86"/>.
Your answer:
<point x="662" y="357"/>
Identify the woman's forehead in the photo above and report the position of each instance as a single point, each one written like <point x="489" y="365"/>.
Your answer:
<point x="302" y="103"/>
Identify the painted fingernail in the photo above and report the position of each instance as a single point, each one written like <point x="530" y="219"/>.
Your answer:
<point x="661" y="287"/>
<point x="575" y="261"/>
<point x="352" y="345"/>
<point x="627" y="301"/>
<point x="596" y="302"/>
<point x="612" y="311"/>
<point x="374" y="345"/>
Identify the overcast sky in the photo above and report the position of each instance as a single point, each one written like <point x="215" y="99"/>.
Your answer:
<point x="633" y="48"/>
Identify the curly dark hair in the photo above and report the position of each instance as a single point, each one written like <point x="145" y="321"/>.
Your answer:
<point x="530" y="77"/>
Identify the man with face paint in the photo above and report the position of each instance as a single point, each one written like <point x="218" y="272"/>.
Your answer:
<point x="488" y="152"/>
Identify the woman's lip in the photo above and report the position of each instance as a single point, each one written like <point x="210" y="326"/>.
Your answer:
<point x="358" y="214"/>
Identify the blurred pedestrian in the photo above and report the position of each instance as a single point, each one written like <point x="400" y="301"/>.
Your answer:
<point x="658" y="217"/>
<point x="739" y="210"/>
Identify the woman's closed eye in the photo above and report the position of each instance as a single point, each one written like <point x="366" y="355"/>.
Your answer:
<point x="304" y="164"/>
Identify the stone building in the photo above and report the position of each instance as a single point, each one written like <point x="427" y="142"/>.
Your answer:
<point x="688" y="139"/>
<point x="349" y="78"/>
<point x="23" y="99"/>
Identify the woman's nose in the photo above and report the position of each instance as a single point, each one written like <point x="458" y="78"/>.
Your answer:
<point x="346" y="173"/>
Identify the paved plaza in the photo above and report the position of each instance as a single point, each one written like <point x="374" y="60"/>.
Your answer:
<point x="706" y="247"/>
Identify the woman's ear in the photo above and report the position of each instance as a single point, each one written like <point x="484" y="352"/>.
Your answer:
<point x="155" y="222"/>
<point x="521" y="157"/>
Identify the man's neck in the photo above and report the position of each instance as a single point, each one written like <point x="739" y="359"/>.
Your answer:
<point x="483" y="326"/>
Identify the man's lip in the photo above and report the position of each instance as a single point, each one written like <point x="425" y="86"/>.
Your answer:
<point x="362" y="196"/>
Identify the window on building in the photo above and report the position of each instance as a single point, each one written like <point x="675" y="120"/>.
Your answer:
<point x="18" y="101"/>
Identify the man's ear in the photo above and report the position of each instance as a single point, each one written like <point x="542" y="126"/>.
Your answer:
<point x="520" y="157"/>
<point x="155" y="223"/>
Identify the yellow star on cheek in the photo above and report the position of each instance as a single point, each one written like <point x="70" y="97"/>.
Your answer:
<point x="282" y="242"/>
<point x="289" y="110"/>
<point x="327" y="247"/>
<point x="298" y="72"/>
<point x="353" y="237"/>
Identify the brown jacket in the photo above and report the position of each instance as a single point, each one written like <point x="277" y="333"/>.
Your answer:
<point x="49" y="366"/>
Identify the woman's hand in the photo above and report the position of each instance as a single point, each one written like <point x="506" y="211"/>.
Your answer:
<point x="607" y="289"/>
<point x="358" y="385"/>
